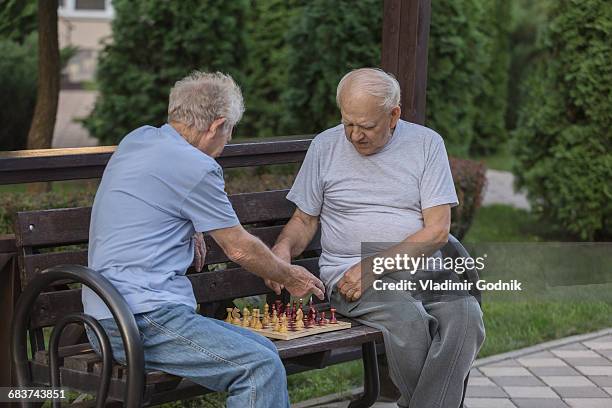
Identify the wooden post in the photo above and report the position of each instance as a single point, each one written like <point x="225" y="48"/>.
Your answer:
<point x="404" y="52"/>
<point x="9" y="290"/>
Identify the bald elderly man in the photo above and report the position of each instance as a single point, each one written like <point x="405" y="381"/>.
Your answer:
<point x="380" y="180"/>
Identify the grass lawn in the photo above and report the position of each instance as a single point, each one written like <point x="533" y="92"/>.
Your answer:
<point x="510" y="323"/>
<point x="502" y="160"/>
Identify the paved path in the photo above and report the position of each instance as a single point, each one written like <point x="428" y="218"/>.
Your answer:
<point x="500" y="190"/>
<point x="575" y="372"/>
<point x="73" y="105"/>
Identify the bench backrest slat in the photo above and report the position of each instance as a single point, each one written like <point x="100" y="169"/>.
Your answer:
<point x="43" y="237"/>
<point x="67" y="226"/>
<point x="33" y="263"/>
<point x="207" y="286"/>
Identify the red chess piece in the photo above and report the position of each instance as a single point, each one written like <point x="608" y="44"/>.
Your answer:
<point x="322" y="320"/>
<point x="279" y="307"/>
<point x="333" y="320"/>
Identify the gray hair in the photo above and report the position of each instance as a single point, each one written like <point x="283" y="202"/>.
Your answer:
<point x="201" y="97"/>
<point x="374" y="82"/>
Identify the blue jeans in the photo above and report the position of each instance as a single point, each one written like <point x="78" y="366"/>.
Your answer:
<point x="209" y="352"/>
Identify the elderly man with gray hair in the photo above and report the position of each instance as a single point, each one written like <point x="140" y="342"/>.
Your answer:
<point x="381" y="187"/>
<point x="160" y="187"/>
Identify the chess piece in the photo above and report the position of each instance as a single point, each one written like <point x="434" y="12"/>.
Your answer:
<point x="236" y="316"/>
<point x="283" y="324"/>
<point x="246" y="319"/>
<point x="299" y="320"/>
<point x="333" y="320"/>
<point x="265" y="321"/>
<point x="322" y="319"/>
<point x="254" y="318"/>
<point x="274" y="317"/>
<point x="279" y="307"/>
<point x="257" y="323"/>
<point x="228" y="319"/>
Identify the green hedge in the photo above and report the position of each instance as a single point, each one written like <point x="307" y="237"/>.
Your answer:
<point x="267" y="69"/>
<point x="491" y="102"/>
<point x="289" y="56"/>
<point x="324" y="44"/>
<point x="18" y="73"/>
<point x="563" y="144"/>
<point x="155" y="43"/>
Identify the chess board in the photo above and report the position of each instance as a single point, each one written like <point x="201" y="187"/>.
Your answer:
<point x="290" y="335"/>
<point x="290" y="322"/>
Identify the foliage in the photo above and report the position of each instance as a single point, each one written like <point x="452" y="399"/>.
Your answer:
<point x="18" y="73"/>
<point x="563" y="143"/>
<point x="267" y="70"/>
<point x="18" y="80"/>
<point x="492" y="100"/>
<point x="469" y="177"/>
<point x="17" y="19"/>
<point x="155" y="43"/>
<point x="324" y="44"/>
<point x="526" y="17"/>
<point x="468" y="74"/>
<point x="455" y="64"/>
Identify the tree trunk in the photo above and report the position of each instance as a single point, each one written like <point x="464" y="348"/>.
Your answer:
<point x="43" y="122"/>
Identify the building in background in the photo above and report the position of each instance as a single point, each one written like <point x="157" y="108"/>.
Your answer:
<point x="84" y="24"/>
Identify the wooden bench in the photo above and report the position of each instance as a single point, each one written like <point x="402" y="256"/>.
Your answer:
<point x="48" y="239"/>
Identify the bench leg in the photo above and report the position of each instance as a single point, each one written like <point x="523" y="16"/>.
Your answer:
<point x="371" y="384"/>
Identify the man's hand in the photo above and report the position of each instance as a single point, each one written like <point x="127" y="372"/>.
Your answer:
<point x="284" y="254"/>
<point x="350" y="285"/>
<point x="200" y="251"/>
<point x="300" y="282"/>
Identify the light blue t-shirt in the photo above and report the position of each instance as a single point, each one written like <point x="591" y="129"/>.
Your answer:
<point x="156" y="191"/>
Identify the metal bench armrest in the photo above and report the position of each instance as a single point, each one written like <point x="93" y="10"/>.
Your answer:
<point x="115" y="303"/>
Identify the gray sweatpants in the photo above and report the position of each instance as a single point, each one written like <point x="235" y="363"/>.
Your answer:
<point x="430" y="340"/>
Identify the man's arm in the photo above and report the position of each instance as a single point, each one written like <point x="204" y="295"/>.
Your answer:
<point x="296" y="235"/>
<point x="424" y="242"/>
<point x="252" y="254"/>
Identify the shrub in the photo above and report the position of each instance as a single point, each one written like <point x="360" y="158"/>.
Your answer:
<point x="156" y="43"/>
<point x="492" y="100"/>
<point x="455" y="62"/>
<point x="18" y="72"/>
<point x="469" y="177"/>
<point x="267" y="69"/>
<point x="563" y="143"/>
<point x="325" y="42"/>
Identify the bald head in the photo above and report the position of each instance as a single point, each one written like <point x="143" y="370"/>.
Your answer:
<point x="372" y="83"/>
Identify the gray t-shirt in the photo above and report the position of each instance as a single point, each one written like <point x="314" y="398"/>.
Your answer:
<point x="377" y="198"/>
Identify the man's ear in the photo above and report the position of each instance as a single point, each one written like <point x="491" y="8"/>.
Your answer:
<point x="395" y="115"/>
<point x="217" y="123"/>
